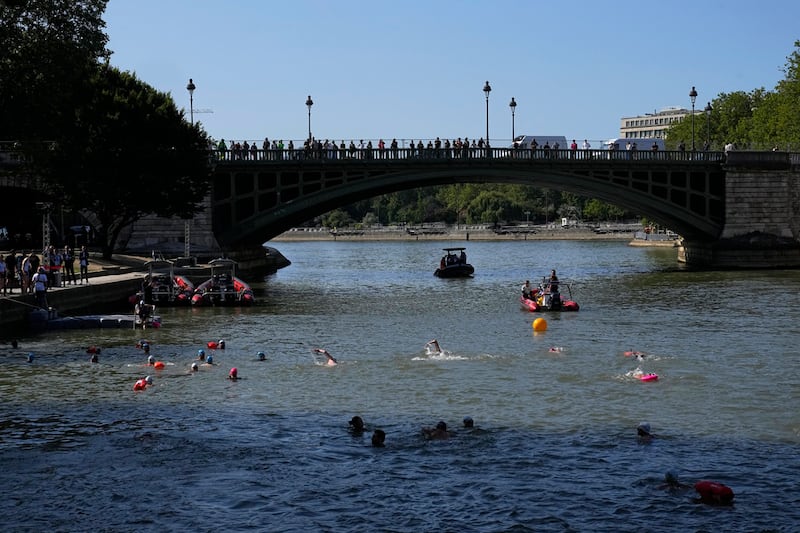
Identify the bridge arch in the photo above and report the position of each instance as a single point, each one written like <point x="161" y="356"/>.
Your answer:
<point x="253" y="202"/>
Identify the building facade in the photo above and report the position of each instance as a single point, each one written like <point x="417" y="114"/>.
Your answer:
<point x="652" y="125"/>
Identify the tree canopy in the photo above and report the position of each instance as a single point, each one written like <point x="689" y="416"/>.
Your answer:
<point x="131" y="153"/>
<point x="104" y="141"/>
<point x="758" y="120"/>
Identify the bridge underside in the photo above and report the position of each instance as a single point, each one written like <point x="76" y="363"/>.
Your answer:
<point x="253" y="202"/>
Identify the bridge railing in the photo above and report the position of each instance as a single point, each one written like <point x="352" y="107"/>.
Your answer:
<point x="415" y="154"/>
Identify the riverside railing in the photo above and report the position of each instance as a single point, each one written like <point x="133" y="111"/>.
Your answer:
<point x="470" y="153"/>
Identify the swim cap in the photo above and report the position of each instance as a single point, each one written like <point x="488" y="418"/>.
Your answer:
<point x="261" y="356"/>
<point x="149" y="380"/>
<point x="209" y="359"/>
<point x="644" y="428"/>
<point x="233" y="373"/>
<point x="151" y="359"/>
<point x="194" y="366"/>
<point x="441" y="425"/>
<point x="30" y="357"/>
<point x="468" y="422"/>
<point x="201" y="352"/>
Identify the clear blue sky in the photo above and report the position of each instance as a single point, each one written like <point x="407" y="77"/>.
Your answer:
<point x="416" y="68"/>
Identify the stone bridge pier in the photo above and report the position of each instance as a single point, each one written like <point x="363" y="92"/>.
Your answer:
<point x="762" y="216"/>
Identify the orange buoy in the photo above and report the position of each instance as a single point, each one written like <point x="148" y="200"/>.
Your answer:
<point x="159" y="365"/>
<point x="212" y="345"/>
<point x="140" y="384"/>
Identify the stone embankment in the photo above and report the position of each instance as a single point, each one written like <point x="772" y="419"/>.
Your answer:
<point x="437" y="232"/>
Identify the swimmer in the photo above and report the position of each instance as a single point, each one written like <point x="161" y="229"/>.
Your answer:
<point x="30" y="357"/>
<point x="356" y="424"/>
<point x="209" y="361"/>
<point x="151" y="360"/>
<point x="432" y="348"/>
<point x="94" y="358"/>
<point x="331" y="360"/>
<point x="233" y="375"/>
<point x="643" y="433"/>
<point x="633" y="353"/>
<point x="378" y="438"/>
<point x="468" y="422"/>
<point x="221" y="344"/>
<point x="438" y="433"/>
<point x="556" y="349"/>
<point x="261" y="356"/>
<point x="194" y="367"/>
<point x="672" y="484"/>
<point x="93" y="349"/>
<point x="201" y="355"/>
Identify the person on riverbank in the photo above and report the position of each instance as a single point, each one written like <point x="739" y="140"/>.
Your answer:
<point x="3" y="275"/>
<point x="11" y="271"/>
<point x="40" y="288"/>
<point x="83" y="262"/>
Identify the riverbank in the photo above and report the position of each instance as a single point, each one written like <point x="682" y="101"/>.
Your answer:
<point x="435" y="232"/>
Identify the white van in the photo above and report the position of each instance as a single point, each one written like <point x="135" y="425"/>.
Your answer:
<point x="641" y="144"/>
<point x="523" y="142"/>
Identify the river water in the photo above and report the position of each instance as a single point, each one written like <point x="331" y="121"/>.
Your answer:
<point x="555" y="448"/>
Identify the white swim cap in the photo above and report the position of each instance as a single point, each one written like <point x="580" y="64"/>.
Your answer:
<point x="149" y="380"/>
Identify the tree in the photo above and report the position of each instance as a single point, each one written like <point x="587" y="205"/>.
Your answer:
<point x="131" y="153"/>
<point x="50" y="48"/>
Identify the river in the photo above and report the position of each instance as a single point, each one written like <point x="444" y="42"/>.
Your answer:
<point x="556" y="446"/>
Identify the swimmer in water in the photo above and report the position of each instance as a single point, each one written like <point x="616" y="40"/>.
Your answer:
<point x="261" y="356"/>
<point x="438" y="433"/>
<point x="331" y="361"/>
<point x="556" y="349"/>
<point x="233" y="375"/>
<point x="356" y="425"/>
<point x="194" y="367"/>
<point x="94" y="358"/>
<point x="643" y="434"/>
<point x="378" y="438"/>
<point x="201" y="355"/>
<point x="432" y="348"/>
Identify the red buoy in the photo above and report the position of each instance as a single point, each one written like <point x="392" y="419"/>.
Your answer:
<point x="714" y="493"/>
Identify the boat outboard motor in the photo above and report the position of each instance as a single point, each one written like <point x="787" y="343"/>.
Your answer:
<point x="555" y="302"/>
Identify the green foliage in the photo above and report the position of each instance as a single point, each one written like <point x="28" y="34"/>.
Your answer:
<point x="131" y="153"/>
<point x="756" y="120"/>
<point x="50" y="48"/>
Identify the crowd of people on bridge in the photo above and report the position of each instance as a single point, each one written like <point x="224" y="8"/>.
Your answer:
<point x="316" y="149"/>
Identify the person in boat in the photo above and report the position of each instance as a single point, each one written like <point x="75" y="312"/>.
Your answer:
<point x="462" y="259"/>
<point x="527" y="289"/>
<point x="553" y="281"/>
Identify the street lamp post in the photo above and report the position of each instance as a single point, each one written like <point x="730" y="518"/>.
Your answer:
<point x="190" y="87"/>
<point x="693" y="96"/>
<point x="513" y="106"/>
<point x="527" y="218"/>
<point x="487" y="89"/>
<point x="708" y="110"/>
<point x="309" y="103"/>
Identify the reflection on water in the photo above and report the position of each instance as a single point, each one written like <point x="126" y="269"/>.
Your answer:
<point x="555" y="447"/>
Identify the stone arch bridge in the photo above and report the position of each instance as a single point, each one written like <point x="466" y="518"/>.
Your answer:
<point x="736" y="211"/>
